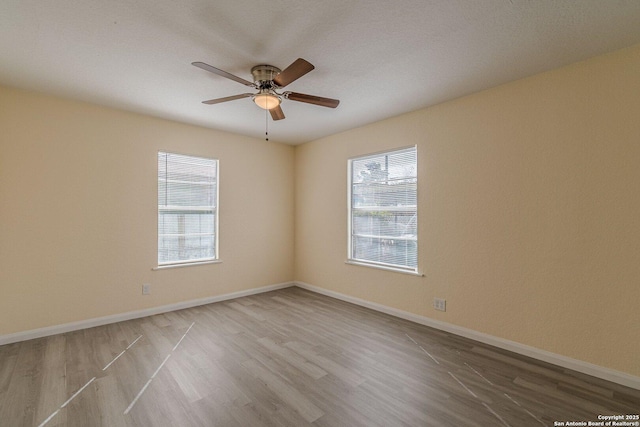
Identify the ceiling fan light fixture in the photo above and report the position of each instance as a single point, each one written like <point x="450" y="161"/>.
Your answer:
<point x="267" y="100"/>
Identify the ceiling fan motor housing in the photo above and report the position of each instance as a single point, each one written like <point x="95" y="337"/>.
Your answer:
<point x="264" y="74"/>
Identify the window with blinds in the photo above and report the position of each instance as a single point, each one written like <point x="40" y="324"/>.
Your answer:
<point x="383" y="211"/>
<point x="187" y="209"/>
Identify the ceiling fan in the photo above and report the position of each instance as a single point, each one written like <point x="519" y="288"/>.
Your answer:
<point x="268" y="79"/>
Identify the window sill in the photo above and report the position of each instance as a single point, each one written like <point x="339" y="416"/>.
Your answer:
<point x="384" y="267"/>
<point x="186" y="264"/>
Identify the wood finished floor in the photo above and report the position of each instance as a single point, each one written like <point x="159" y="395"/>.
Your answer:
<point x="287" y="358"/>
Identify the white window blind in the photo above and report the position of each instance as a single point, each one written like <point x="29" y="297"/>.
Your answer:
<point x="383" y="210"/>
<point x="187" y="209"/>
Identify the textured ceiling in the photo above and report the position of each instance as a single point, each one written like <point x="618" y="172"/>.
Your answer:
<point x="379" y="58"/>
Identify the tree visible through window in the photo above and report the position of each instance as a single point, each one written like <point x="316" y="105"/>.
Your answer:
<point x="383" y="209"/>
<point x="187" y="208"/>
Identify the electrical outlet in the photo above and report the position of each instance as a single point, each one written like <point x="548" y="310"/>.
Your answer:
<point x="440" y="304"/>
<point x="146" y="289"/>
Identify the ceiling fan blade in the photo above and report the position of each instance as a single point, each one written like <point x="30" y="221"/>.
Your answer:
<point x="277" y="113"/>
<point x="293" y="72"/>
<point x="310" y="99"/>
<point x="222" y="73"/>
<point x="227" y="98"/>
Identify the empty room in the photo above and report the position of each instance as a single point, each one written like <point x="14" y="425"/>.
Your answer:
<point x="299" y="213"/>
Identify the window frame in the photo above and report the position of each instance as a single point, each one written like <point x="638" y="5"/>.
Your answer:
<point x="215" y="210"/>
<point x="350" y="217"/>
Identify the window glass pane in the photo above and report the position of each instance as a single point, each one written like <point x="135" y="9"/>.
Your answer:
<point x="383" y="209"/>
<point x="185" y="223"/>
<point x="185" y="248"/>
<point x="187" y="199"/>
<point x="392" y="252"/>
<point x="390" y="166"/>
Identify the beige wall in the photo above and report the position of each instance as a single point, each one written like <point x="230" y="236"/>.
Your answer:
<point x="78" y="212"/>
<point x="529" y="206"/>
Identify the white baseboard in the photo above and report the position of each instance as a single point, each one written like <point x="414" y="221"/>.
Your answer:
<point x="99" y="321"/>
<point x="525" y="350"/>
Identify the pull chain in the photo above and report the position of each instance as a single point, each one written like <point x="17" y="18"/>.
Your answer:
<point x="266" y="124"/>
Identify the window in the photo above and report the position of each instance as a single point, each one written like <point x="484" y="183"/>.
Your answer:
<point x="187" y="209"/>
<point x="383" y="212"/>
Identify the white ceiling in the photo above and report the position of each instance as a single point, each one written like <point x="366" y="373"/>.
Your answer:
<point x="380" y="58"/>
